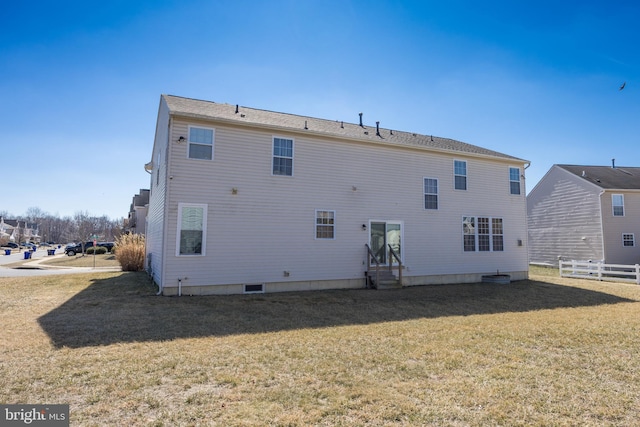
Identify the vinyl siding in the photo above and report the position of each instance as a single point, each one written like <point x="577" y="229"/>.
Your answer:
<point x="615" y="226"/>
<point x="155" y="231"/>
<point x="564" y="219"/>
<point x="268" y="227"/>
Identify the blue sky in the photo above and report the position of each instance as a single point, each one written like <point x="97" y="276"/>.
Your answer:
<point x="80" y="82"/>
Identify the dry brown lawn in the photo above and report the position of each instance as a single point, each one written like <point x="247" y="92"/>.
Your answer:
<point x="542" y="352"/>
<point x="60" y="260"/>
<point x="100" y="260"/>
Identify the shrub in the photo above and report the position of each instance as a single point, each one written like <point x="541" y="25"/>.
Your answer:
<point x="130" y="251"/>
<point x="99" y="250"/>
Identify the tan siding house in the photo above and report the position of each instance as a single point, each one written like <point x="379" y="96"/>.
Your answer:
<point x="571" y="215"/>
<point x="246" y="200"/>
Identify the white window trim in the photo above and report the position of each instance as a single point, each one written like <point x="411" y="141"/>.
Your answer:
<point x="613" y="211"/>
<point x="315" y="224"/>
<point x="204" y="207"/>
<point x="213" y="142"/>
<point x="293" y="153"/>
<point x="437" y="194"/>
<point x="519" y="180"/>
<point x="633" y="240"/>
<point x="491" y="234"/>
<point x="466" y="174"/>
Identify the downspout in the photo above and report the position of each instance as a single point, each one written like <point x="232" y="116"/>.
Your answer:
<point x="601" y="224"/>
<point x="526" y="217"/>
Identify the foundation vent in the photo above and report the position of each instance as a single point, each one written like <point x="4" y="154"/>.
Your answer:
<point x="254" y="288"/>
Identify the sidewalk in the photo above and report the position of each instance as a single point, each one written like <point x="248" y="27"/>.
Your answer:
<point x="37" y="267"/>
<point x="40" y="265"/>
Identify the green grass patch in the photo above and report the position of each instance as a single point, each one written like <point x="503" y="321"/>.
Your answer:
<point x="545" y="351"/>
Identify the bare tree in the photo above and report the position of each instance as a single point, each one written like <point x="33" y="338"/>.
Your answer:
<point x="79" y="228"/>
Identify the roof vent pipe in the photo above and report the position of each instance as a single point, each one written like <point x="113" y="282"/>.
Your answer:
<point x="236" y="108"/>
<point x="613" y="163"/>
<point x="360" y="114"/>
<point x="378" y="128"/>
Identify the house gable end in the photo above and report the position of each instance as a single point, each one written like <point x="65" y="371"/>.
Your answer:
<point x="564" y="218"/>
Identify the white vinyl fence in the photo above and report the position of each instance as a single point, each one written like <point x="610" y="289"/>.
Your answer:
<point x="600" y="271"/>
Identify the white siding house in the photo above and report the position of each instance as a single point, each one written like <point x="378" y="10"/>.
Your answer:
<point x="585" y="213"/>
<point x="247" y="200"/>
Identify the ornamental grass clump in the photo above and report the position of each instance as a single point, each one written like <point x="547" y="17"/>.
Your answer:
<point x="130" y="252"/>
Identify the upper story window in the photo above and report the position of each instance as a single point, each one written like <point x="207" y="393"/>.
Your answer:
<point x="617" y="200"/>
<point x="325" y="224"/>
<point x="460" y="174"/>
<point x="514" y="180"/>
<point x="430" y="193"/>
<point x="282" y="156"/>
<point x="200" y="143"/>
<point x="158" y="167"/>
<point x="628" y="239"/>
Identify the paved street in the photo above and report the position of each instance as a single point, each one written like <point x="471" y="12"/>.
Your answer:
<point x="33" y="268"/>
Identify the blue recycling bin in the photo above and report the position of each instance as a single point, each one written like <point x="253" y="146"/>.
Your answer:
<point x="51" y="251"/>
<point x="27" y="255"/>
<point x="7" y="251"/>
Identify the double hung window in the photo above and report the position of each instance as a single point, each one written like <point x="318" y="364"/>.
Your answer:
<point x="201" y="143"/>
<point x="617" y="200"/>
<point x="460" y="174"/>
<point x="628" y="239"/>
<point x="430" y="193"/>
<point x="325" y="224"/>
<point x="514" y="180"/>
<point x="282" y="156"/>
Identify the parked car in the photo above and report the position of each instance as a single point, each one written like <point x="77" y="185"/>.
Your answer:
<point x="76" y="248"/>
<point x="108" y="245"/>
<point x="11" y="245"/>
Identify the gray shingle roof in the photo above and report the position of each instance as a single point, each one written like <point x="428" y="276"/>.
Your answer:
<point x="193" y="108"/>
<point x="608" y="177"/>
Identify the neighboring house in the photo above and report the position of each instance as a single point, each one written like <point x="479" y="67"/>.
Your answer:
<point x="6" y="231"/>
<point x="249" y="200"/>
<point x="136" y="221"/>
<point x="19" y="231"/>
<point x="585" y="213"/>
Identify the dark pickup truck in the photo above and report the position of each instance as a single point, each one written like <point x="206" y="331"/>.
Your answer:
<point x="76" y="248"/>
